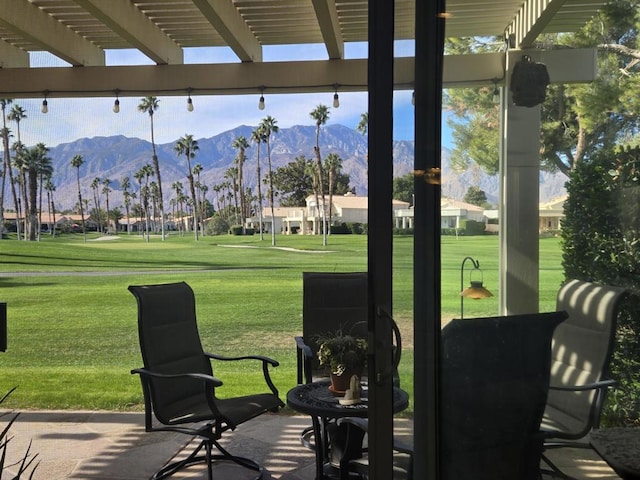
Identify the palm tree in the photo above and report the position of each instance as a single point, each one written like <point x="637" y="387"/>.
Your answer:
<point x="139" y="175"/>
<point x="5" y="138"/>
<point x="106" y="189"/>
<point x="197" y="169"/>
<point x="95" y="183"/>
<point x="7" y="170"/>
<point x="179" y="189"/>
<point x="231" y="174"/>
<point x="146" y="171"/>
<point x="269" y="126"/>
<point x="363" y="125"/>
<point x="125" y="183"/>
<point x="188" y="146"/>
<point x="21" y="180"/>
<point x="258" y="136"/>
<point x="150" y="105"/>
<point x="320" y="114"/>
<point x="16" y="114"/>
<point x="50" y="188"/>
<point x="311" y="171"/>
<point x="333" y="164"/>
<point x="77" y="162"/>
<point x="241" y="144"/>
<point x="33" y="161"/>
<point x="45" y="169"/>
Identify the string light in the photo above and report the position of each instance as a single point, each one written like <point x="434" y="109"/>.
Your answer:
<point x="189" y="102"/>
<point x="45" y="104"/>
<point x="336" y="99"/>
<point x="261" y="101"/>
<point x="116" y="104"/>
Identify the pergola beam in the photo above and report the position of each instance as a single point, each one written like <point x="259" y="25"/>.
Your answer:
<point x="199" y="79"/>
<point x="41" y="29"/>
<point x="12" y="57"/>
<point x="565" y="66"/>
<point x="531" y="20"/>
<point x="330" y="27"/>
<point x="232" y="28"/>
<point x="131" y="24"/>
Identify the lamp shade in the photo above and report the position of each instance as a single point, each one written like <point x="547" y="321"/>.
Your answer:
<point x="476" y="291"/>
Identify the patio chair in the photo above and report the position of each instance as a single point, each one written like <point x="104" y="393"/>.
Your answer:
<point x="494" y="381"/>
<point x="582" y="349"/>
<point x="330" y="302"/>
<point x="333" y="301"/>
<point x="178" y="383"/>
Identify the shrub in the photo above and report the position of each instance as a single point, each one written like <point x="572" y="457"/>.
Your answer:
<point x="25" y="466"/>
<point x="472" y="227"/>
<point x="217" y="226"/>
<point x="601" y="243"/>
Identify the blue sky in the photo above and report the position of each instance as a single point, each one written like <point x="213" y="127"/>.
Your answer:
<point x="70" y="119"/>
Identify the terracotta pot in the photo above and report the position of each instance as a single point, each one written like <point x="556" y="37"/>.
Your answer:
<point x="340" y="383"/>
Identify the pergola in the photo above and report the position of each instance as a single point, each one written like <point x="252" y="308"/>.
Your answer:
<point x="81" y="31"/>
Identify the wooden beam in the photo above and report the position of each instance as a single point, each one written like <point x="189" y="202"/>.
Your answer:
<point x="32" y="23"/>
<point x="12" y="57"/>
<point x="132" y="25"/>
<point x="225" y="18"/>
<point x="330" y="27"/>
<point x="564" y="66"/>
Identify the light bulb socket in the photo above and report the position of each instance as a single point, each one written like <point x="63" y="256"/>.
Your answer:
<point x="496" y="95"/>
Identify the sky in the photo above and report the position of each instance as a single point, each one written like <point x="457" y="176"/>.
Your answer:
<point x="70" y="119"/>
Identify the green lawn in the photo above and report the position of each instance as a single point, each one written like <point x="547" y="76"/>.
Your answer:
<point x="73" y="337"/>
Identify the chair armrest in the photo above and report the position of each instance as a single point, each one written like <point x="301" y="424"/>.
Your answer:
<point x="601" y="385"/>
<point x="266" y="361"/>
<point x="271" y="361"/>
<point x="198" y="376"/>
<point x="302" y="346"/>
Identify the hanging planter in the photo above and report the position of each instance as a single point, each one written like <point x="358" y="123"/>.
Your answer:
<point x="529" y="82"/>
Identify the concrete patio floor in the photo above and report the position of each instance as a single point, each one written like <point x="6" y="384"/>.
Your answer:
<point x="114" y="446"/>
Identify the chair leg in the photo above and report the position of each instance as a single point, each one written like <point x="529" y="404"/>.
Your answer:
<point x="209" y="458"/>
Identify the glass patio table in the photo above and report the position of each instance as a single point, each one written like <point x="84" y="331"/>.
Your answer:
<point x="332" y="441"/>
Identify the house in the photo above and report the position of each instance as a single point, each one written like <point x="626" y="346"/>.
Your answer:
<point x="305" y="220"/>
<point x="551" y="214"/>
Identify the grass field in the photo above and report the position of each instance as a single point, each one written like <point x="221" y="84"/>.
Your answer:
<point x="72" y="323"/>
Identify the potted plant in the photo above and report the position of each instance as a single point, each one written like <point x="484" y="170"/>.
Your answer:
<point x="343" y="355"/>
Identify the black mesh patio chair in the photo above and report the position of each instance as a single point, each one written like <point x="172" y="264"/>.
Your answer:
<point x="333" y="301"/>
<point x="494" y="382"/>
<point x="178" y="383"/>
<point x="580" y="377"/>
<point x="330" y="302"/>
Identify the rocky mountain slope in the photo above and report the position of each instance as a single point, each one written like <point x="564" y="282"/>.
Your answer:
<point x="119" y="156"/>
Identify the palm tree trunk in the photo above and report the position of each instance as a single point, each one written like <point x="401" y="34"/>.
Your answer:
<point x="156" y="166"/>
<point x="273" y="217"/>
<point x="259" y="196"/>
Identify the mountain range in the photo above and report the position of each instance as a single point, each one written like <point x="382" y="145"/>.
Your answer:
<point x="119" y="156"/>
